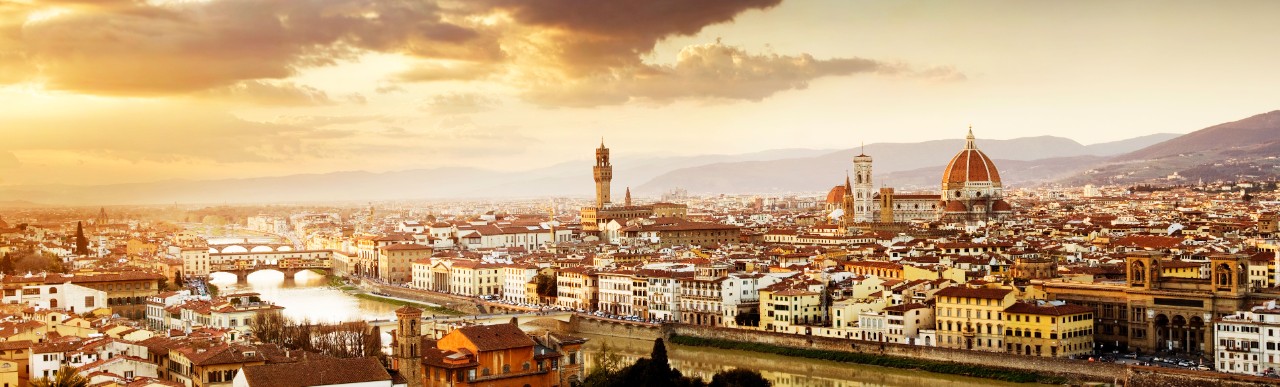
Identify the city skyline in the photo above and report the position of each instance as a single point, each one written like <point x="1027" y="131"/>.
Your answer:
<point x="118" y="92"/>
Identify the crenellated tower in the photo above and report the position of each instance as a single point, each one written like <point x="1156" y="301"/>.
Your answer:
<point x="603" y="172"/>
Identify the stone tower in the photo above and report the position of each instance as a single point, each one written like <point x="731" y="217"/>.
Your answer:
<point x="603" y="172"/>
<point x="863" y="190"/>
<point x="406" y="356"/>
<point x="627" y="201"/>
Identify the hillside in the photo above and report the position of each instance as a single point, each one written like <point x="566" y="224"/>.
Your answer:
<point x="1248" y="133"/>
<point x="1240" y="150"/>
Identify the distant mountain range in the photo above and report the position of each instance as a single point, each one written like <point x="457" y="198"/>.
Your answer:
<point x="907" y="165"/>
<point x="903" y="165"/>
<point x="1245" y="149"/>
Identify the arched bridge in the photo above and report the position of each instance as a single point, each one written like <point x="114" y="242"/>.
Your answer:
<point x="232" y="248"/>
<point x="242" y="271"/>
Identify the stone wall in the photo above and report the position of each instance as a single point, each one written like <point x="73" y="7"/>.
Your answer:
<point x="464" y="304"/>
<point x="1075" y="370"/>
<point x="1169" y="377"/>
<point x="612" y="328"/>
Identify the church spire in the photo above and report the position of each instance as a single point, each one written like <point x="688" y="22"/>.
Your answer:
<point x="627" y="200"/>
<point x="848" y="188"/>
<point x="968" y="144"/>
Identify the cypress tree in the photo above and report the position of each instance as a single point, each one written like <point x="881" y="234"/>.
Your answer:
<point x="82" y="243"/>
<point x="658" y="371"/>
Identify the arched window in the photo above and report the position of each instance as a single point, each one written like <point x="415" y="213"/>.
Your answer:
<point x="53" y="303"/>
<point x="53" y="290"/>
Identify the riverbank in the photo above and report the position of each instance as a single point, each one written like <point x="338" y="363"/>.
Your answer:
<point x="996" y="366"/>
<point x="428" y="308"/>
<point x="1006" y="375"/>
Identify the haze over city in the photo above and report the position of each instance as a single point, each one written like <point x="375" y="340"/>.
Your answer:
<point x="107" y="92"/>
<point x="639" y="193"/>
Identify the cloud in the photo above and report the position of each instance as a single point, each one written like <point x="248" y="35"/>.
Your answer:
<point x="716" y="71"/>
<point x="457" y="71"/>
<point x="556" y="52"/>
<point x="144" y="48"/>
<point x="271" y="93"/>
<point x="595" y="36"/>
<point x="460" y="103"/>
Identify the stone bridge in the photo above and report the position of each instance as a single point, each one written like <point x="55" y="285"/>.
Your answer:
<point x="242" y="272"/>
<point x="230" y="248"/>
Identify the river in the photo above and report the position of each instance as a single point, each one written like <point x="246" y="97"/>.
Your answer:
<point x="308" y="296"/>
<point x="781" y="370"/>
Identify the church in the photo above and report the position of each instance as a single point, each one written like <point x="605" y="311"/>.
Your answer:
<point x="971" y="192"/>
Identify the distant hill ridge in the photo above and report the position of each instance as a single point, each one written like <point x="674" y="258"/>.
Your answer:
<point x="780" y="170"/>
<point x="1255" y="131"/>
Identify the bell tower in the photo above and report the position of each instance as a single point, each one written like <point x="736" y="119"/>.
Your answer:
<point x="603" y="172"/>
<point x="407" y="357"/>
<point x="863" y="190"/>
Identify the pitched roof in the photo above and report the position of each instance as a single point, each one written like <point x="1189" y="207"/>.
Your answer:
<point x="317" y="372"/>
<point x="496" y="337"/>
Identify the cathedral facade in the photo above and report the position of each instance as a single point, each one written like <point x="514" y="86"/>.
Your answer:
<point x="971" y="191"/>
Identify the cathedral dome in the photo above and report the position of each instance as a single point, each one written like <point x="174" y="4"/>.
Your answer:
<point x="836" y="196"/>
<point x="970" y="165"/>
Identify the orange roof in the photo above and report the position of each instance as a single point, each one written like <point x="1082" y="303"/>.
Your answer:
<point x="970" y="165"/>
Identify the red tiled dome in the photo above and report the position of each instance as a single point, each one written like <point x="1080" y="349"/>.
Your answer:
<point x="970" y="165"/>
<point x="955" y="206"/>
<point x="836" y="196"/>
<point x="1002" y="206"/>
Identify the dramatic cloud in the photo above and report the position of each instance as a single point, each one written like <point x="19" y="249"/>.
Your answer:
<point x="556" y="52"/>
<point x="139" y="48"/>
<point x="594" y="36"/>
<point x="460" y="103"/>
<point x="716" y="71"/>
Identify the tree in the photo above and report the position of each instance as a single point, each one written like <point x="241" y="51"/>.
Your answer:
<point x="739" y="377"/>
<point x="6" y="264"/>
<point x="546" y="285"/>
<point x="658" y="370"/>
<point x="82" y="243"/>
<point x="64" y="377"/>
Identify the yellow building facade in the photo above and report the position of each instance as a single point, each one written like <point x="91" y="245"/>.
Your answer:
<point x="972" y="318"/>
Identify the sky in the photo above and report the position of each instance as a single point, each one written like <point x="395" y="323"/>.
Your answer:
<point x="118" y="91"/>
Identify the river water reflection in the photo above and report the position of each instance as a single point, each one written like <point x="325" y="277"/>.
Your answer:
<point x="781" y="370"/>
<point x="307" y="296"/>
